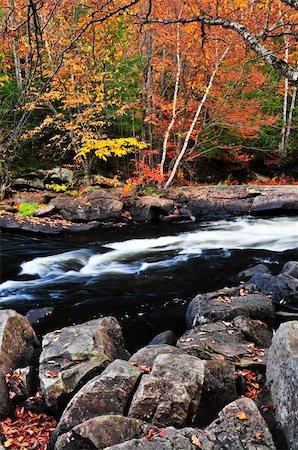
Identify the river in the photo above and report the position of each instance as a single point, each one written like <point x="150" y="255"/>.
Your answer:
<point x="143" y="275"/>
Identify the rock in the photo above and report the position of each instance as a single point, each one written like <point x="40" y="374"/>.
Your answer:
<point x="148" y="208"/>
<point x="29" y="197"/>
<point x="221" y="207"/>
<point x="23" y="183"/>
<point x="290" y="268"/>
<point x="147" y="355"/>
<point x="167" y="337"/>
<point x="254" y="331"/>
<point x="171" y="393"/>
<point x="228" y="303"/>
<point x="240" y="426"/>
<point x="19" y="347"/>
<point x="282" y="379"/>
<point x="75" y="354"/>
<point x="45" y="210"/>
<point x="106" y="394"/>
<point x="168" y="439"/>
<point x="59" y="175"/>
<point x="283" y="288"/>
<point x="34" y="315"/>
<point x="251" y="271"/>
<point x="97" y="205"/>
<point x="275" y="201"/>
<point x="101" y="432"/>
<point x="8" y="208"/>
<point x="219" y="389"/>
<point x="221" y="341"/>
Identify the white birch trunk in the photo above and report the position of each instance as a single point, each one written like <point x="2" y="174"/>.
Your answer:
<point x="194" y="121"/>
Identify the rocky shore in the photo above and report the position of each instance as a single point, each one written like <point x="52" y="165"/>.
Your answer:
<point x="62" y="212"/>
<point x="229" y="382"/>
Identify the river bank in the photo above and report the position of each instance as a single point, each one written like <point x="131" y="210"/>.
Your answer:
<point x="90" y="209"/>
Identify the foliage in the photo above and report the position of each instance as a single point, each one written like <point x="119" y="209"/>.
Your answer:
<point x="56" y="187"/>
<point x="27" y="209"/>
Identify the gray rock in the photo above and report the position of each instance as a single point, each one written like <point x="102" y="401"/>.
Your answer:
<point x="101" y="432"/>
<point x="283" y="288"/>
<point x="146" y="355"/>
<point x="148" y="208"/>
<point x="251" y="271"/>
<point x="220" y="341"/>
<point x="230" y="431"/>
<point x="106" y="394"/>
<point x="228" y="303"/>
<point x="290" y="268"/>
<point x="167" y="337"/>
<point x="23" y="183"/>
<point x="240" y="426"/>
<point x="171" y="393"/>
<point x="168" y="439"/>
<point x="75" y="354"/>
<point x="254" y="331"/>
<point x="219" y="389"/>
<point x="282" y="379"/>
<point x="19" y="347"/>
<point x="277" y="201"/>
<point x="45" y="210"/>
<point x="59" y="174"/>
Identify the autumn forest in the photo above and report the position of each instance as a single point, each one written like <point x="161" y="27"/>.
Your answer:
<point x="150" y="92"/>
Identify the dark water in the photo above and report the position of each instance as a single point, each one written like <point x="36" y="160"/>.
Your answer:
<point x="144" y="276"/>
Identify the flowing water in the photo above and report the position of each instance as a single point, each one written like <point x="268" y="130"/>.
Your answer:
<point x="143" y="275"/>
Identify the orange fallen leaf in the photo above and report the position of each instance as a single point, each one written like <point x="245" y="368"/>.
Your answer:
<point x="241" y="415"/>
<point x="196" y="441"/>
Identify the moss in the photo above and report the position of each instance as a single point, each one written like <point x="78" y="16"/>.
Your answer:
<point x="27" y="209"/>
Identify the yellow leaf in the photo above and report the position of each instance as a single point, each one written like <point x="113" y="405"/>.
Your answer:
<point x="241" y="415"/>
<point x="8" y="443"/>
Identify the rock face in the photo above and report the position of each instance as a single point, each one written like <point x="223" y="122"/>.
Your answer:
<point x="148" y="208"/>
<point x="219" y="389"/>
<point x="101" y="432"/>
<point x="97" y="205"/>
<point x="171" y="393"/>
<point x="254" y="331"/>
<point x="239" y="426"/>
<point x="19" y="347"/>
<point x="106" y="394"/>
<point x="228" y="303"/>
<point x="291" y="268"/>
<point x="147" y="355"/>
<point x="74" y="354"/>
<point x="282" y="378"/>
<point x="283" y="288"/>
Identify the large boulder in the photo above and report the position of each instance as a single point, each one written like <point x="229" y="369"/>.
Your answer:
<point x="147" y="355"/>
<point x="149" y="207"/>
<point x="240" y="426"/>
<point x="290" y="268"/>
<point x="171" y="393"/>
<point x="101" y="432"/>
<point x="19" y="347"/>
<point x="282" y="379"/>
<point x="96" y="205"/>
<point x="166" y="337"/>
<point x="106" y="394"/>
<point x="283" y="288"/>
<point x="221" y="341"/>
<point x="251" y="271"/>
<point x="228" y="303"/>
<point x="75" y="354"/>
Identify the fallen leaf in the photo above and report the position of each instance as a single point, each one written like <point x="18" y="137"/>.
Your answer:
<point x="53" y="374"/>
<point x="241" y="415"/>
<point x="196" y="441"/>
<point x="8" y="443"/>
<point x="258" y="435"/>
<point x="162" y="433"/>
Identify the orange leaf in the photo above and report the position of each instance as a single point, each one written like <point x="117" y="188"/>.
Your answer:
<point x="241" y="415"/>
<point x="196" y="441"/>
